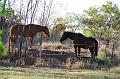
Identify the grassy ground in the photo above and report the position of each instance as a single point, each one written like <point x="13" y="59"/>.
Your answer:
<point x="50" y="73"/>
<point x="55" y="73"/>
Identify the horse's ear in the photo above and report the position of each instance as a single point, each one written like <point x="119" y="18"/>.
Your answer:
<point x="65" y="32"/>
<point x="46" y="27"/>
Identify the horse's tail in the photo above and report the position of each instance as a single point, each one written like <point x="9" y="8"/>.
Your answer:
<point x="96" y="47"/>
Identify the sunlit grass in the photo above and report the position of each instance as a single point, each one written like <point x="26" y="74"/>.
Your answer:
<point x="51" y="73"/>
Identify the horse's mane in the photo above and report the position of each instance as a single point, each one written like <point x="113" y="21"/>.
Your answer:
<point x="35" y="25"/>
<point x="74" y="33"/>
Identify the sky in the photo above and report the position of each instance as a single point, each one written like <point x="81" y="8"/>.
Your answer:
<point x="78" y="6"/>
<point x="73" y="6"/>
<point x="68" y="6"/>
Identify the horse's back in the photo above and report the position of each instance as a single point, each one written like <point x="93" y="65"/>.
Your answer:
<point x="84" y="41"/>
<point x="31" y="29"/>
<point x="91" y="40"/>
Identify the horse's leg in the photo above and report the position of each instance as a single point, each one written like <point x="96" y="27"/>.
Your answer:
<point x="26" y="45"/>
<point x="9" y="43"/>
<point x="75" y="47"/>
<point x="96" y="48"/>
<point x="92" y="52"/>
<point x="79" y="50"/>
<point x="14" y="43"/>
<point x="12" y="46"/>
<point x="30" y="41"/>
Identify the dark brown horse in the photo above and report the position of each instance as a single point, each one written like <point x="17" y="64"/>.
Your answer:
<point x="28" y="31"/>
<point x="80" y="41"/>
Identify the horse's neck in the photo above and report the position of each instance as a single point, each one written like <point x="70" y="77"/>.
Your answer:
<point x="71" y="36"/>
<point x="81" y="35"/>
<point x="76" y="36"/>
<point x="40" y="28"/>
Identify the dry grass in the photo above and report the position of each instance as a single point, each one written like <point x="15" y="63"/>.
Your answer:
<point x="56" y="61"/>
<point x="69" y="62"/>
<point x="57" y="46"/>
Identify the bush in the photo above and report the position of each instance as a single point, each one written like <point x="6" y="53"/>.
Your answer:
<point x="3" y="50"/>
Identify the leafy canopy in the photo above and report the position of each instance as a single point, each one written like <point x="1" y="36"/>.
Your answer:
<point x="102" y="22"/>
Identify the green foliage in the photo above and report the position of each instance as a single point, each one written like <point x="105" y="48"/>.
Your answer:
<point x="101" y="56"/>
<point x="1" y="32"/>
<point x="59" y="25"/>
<point x="60" y="28"/>
<point x="103" y="60"/>
<point x="3" y="50"/>
<point x="103" y="22"/>
<point x="87" y="32"/>
<point x="2" y="7"/>
<point x="1" y="35"/>
<point x="8" y="11"/>
<point x="5" y="11"/>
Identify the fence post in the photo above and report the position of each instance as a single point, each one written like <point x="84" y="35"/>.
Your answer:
<point x="113" y="50"/>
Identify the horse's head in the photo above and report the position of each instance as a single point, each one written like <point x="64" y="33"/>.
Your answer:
<point x="64" y="36"/>
<point x="46" y="31"/>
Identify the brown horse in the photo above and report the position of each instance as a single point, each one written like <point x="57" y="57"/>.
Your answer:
<point x="28" y="31"/>
<point x="14" y="31"/>
<point x="31" y="31"/>
<point x="80" y="41"/>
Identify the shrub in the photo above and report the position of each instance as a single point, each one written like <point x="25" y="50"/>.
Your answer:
<point x="3" y="50"/>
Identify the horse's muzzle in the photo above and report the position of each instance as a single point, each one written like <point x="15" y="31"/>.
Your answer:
<point x="61" y="41"/>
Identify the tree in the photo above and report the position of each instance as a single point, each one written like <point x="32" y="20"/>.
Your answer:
<point x="59" y="25"/>
<point x="103" y="22"/>
<point x="58" y="28"/>
<point x="47" y="10"/>
<point x="72" y="22"/>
